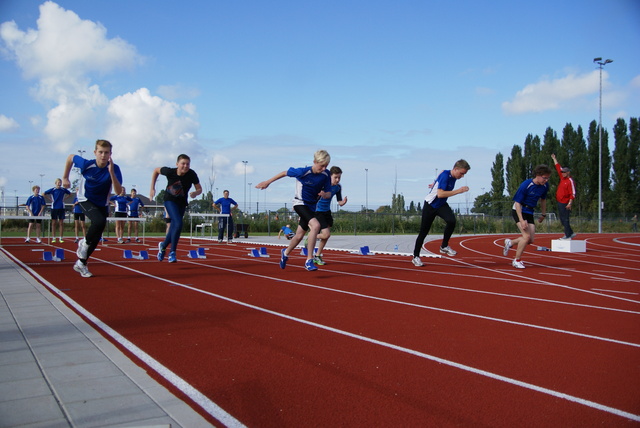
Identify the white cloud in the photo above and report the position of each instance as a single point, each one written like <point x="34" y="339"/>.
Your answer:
<point x="149" y="131"/>
<point x="7" y="124"/>
<point x="553" y="94"/>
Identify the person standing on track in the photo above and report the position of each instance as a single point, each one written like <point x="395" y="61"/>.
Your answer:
<point x="525" y="201"/>
<point x="179" y="181"/>
<point x="99" y="176"/>
<point x="225" y="205"/>
<point x="565" y="195"/>
<point x="323" y="212"/>
<point x="435" y="205"/>
<point x="35" y="207"/>
<point x="78" y="219"/>
<point x="57" y="194"/>
<point x="120" y="201"/>
<point x="133" y="211"/>
<point x="313" y="182"/>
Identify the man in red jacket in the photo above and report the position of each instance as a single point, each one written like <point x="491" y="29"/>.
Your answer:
<point x="565" y="195"/>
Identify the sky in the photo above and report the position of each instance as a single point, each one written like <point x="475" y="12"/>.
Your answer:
<point x="395" y="91"/>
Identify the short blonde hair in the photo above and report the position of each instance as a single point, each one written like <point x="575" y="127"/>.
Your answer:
<point x="322" y="157"/>
<point x="103" y="143"/>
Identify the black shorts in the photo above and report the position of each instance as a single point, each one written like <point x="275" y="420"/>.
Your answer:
<point x="79" y="216"/>
<point x="57" y="214"/>
<point x="305" y="214"/>
<point x="325" y="218"/>
<point x="120" y="215"/>
<point x="35" y="221"/>
<point x="528" y="217"/>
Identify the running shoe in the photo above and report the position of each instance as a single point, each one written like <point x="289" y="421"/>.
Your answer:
<point x="137" y="239"/>
<point x="564" y="238"/>
<point x="38" y="241"/>
<point x="573" y="235"/>
<point x="448" y="251"/>
<point x="53" y="241"/>
<point x="517" y="264"/>
<point x="61" y="240"/>
<point x="417" y="262"/>
<point x="507" y="246"/>
<point x="82" y="269"/>
<point x="172" y="257"/>
<point x="283" y="259"/>
<point x="120" y="241"/>
<point x="308" y="265"/>
<point x="83" y="249"/>
<point x="26" y="241"/>
<point x="160" y="252"/>
<point x="318" y="260"/>
<point x="76" y="240"/>
<point x="127" y="241"/>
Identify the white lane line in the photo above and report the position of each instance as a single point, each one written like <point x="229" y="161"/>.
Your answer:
<point x="615" y="291"/>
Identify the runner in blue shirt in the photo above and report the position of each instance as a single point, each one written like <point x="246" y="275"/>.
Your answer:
<point x="99" y="176"/>
<point x="134" y="212"/>
<point x="323" y="212"/>
<point x="525" y="201"/>
<point x="312" y="183"/>
<point x="120" y="202"/>
<point x="35" y="207"/>
<point x="57" y="195"/>
<point x="286" y="230"/>
<point x="225" y="205"/>
<point x="435" y="205"/>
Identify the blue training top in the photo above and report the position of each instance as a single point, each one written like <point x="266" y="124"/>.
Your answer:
<point x="95" y="184"/>
<point x="121" y="203"/>
<point x="36" y="203"/>
<point x="528" y="194"/>
<point x="57" y="194"/>
<point x="446" y="182"/>
<point x="225" y="205"/>
<point x="324" y="204"/>
<point x="308" y="185"/>
<point x="133" y="206"/>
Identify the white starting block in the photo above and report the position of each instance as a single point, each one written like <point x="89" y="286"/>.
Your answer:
<point x="262" y="252"/>
<point x="568" y="246"/>
<point x="128" y="254"/>
<point x="48" y="256"/>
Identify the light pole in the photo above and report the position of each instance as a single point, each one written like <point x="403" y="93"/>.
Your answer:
<point x="249" y="184"/>
<point x="601" y="64"/>
<point x="30" y="186"/>
<point x="245" y="185"/>
<point x="366" y="187"/>
<point x="41" y="175"/>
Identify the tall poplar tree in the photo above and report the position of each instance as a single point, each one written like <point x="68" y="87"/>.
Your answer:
<point x="634" y="161"/>
<point x="622" y="188"/>
<point x="515" y="170"/>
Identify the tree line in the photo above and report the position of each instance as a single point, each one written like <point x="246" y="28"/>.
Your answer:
<point x="620" y="169"/>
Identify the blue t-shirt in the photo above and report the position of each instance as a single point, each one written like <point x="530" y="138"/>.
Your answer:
<point x="57" y="195"/>
<point x="121" y="203"/>
<point x="76" y="207"/>
<point x="324" y="204"/>
<point x="286" y="230"/>
<point x="134" y="205"/>
<point x="308" y="185"/>
<point x="446" y="182"/>
<point x="528" y="194"/>
<point x="95" y="184"/>
<point x="36" y="203"/>
<point x="225" y="205"/>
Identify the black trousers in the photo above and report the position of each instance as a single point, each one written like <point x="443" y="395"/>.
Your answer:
<point x="429" y="214"/>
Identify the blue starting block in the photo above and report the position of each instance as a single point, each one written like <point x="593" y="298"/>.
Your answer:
<point x="364" y="251"/>
<point x="47" y="256"/>
<point x="201" y="254"/>
<point x="262" y="252"/>
<point x="128" y="254"/>
<point x="59" y="256"/>
<point x="193" y="254"/>
<point x="304" y="251"/>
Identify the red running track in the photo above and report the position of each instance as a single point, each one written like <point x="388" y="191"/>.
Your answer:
<point x="373" y="340"/>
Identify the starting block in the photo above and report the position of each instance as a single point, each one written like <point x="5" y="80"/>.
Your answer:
<point x="304" y="251"/>
<point x="262" y="252"/>
<point x="364" y="251"/>
<point x="201" y="254"/>
<point x="193" y="254"/>
<point x="128" y="254"/>
<point x="48" y="256"/>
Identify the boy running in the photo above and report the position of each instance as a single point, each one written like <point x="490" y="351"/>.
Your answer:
<point x="99" y="176"/>
<point x="323" y="212"/>
<point x="525" y="201"/>
<point x="313" y="182"/>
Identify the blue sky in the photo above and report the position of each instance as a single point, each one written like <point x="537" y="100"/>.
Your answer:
<point x="394" y="90"/>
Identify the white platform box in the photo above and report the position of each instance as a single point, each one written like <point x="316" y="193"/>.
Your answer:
<point x="569" y="246"/>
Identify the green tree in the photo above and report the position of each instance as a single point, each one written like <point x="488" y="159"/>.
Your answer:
<point x="634" y="161"/>
<point x="532" y="154"/>
<point x="622" y="181"/>
<point x="497" y="177"/>
<point x="515" y="170"/>
<point x="592" y="179"/>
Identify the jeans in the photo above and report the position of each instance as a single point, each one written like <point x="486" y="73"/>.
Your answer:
<point x="564" y="214"/>
<point x="176" y="212"/>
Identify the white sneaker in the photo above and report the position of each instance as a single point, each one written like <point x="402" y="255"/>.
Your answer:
<point x="38" y="241"/>
<point x="83" y="249"/>
<point x="517" y="264"/>
<point x="82" y="269"/>
<point x="573" y="235"/>
<point x="26" y="241"/>
<point x="417" y="262"/>
<point x="448" y="251"/>
<point x="507" y="246"/>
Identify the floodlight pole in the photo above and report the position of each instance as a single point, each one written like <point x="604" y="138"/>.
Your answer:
<point x="245" y="187"/>
<point x="601" y="64"/>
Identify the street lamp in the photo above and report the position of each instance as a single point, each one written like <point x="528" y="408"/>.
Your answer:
<point x="601" y="64"/>
<point x="249" y="184"/>
<point x="41" y="175"/>
<point x="30" y="186"/>
<point x="245" y="185"/>
<point x="366" y="186"/>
